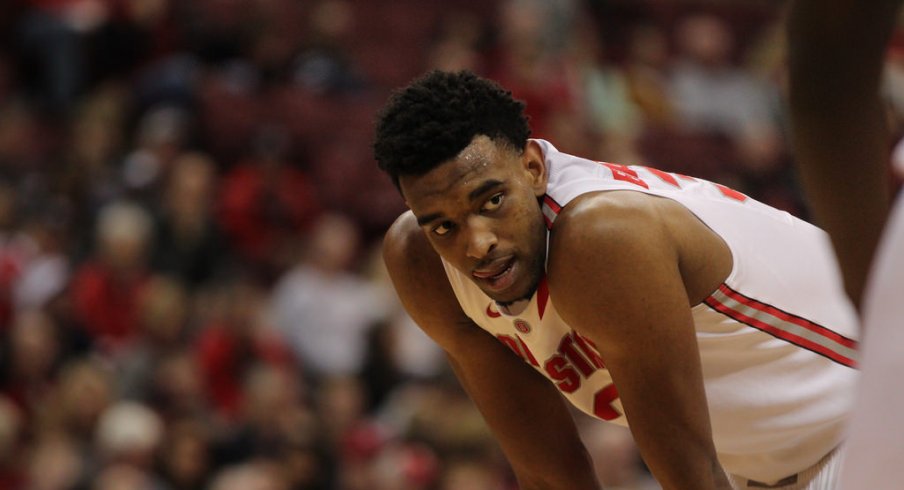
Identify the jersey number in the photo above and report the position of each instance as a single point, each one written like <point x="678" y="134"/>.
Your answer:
<point x="627" y="174"/>
<point x="602" y="403"/>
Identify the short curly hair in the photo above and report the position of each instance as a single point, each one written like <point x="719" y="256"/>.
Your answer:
<point x="436" y="116"/>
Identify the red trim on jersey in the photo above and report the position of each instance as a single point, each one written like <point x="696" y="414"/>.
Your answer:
<point x="542" y="296"/>
<point x="554" y="208"/>
<point x="803" y="322"/>
<point x="778" y="332"/>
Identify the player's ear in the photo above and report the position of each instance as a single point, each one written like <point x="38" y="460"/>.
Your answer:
<point x="535" y="165"/>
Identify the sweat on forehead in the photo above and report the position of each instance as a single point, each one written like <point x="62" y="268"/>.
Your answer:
<point x="481" y="154"/>
<point x="465" y="174"/>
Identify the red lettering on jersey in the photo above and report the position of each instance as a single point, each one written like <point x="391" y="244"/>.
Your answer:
<point x="625" y="174"/>
<point x="731" y="193"/>
<point x="519" y="348"/>
<point x="589" y="348"/>
<point x="558" y="369"/>
<point x="491" y="313"/>
<point x="602" y="403"/>
<point x="567" y="349"/>
<point x="664" y="176"/>
<point x="510" y="343"/>
<point x="528" y="355"/>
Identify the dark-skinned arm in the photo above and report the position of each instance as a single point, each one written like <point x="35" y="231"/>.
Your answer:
<point x="614" y="275"/>
<point x="525" y="412"/>
<point x="839" y="135"/>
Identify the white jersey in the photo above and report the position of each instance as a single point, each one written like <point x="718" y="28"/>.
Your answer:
<point x="876" y="435"/>
<point x="777" y="339"/>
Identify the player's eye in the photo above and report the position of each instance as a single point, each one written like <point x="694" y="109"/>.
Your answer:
<point x="443" y="228"/>
<point x="493" y="202"/>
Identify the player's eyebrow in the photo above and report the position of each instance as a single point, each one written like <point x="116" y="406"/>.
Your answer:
<point x="480" y="190"/>
<point x="423" y="220"/>
<point x="484" y="188"/>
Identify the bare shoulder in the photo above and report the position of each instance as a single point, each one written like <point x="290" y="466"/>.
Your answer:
<point x="600" y="222"/>
<point x="405" y="242"/>
<point x="420" y="281"/>
<point x="609" y="246"/>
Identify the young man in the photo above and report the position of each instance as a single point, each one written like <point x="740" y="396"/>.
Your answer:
<point x="714" y="326"/>
<point x="841" y="144"/>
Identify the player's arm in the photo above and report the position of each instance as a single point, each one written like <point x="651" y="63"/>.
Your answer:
<point x="616" y="275"/>
<point x="524" y="411"/>
<point x="836" y="52"/>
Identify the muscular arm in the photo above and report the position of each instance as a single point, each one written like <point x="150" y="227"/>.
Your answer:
<point x="838" y="122"/>
<point x="525" y="412"/>
<point x="615" y="274"/>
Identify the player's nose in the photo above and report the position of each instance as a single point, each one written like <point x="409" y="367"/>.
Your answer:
<point x="481" y="238"/>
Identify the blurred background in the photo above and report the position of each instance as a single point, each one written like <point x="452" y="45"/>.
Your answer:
<point x="191" y="295"/>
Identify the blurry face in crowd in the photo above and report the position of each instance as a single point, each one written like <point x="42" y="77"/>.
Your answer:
<point x="34" y="345"/>
<point x="190" y="187"/>
<point x="706" y="39"/>
<point x="481" y="214"/>
<point x="335" y="243"/>
<point x="125" y="253"/>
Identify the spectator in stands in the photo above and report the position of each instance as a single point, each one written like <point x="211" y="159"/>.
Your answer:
<point x="54" y="463"/>
<point x="604" y="100"/>
<point x="83" y="391"/>
<point x="264" y="202"/>
<point x="106" y="288"/>
<point x="45" y="275"/>
<point x="709" y="90"/>
<point x="322" y="307"/>
<point x="646" y="73"/>
<point x="163" y="133"/>
<point x="713" y="95"/>
<point x="128" y="433"/>
<point x="188" y="241"/>
<point x="178" y="388"/>
<point x="162" y="312"/>
<point x="323" y="64"/>
<point x="87" y="177"/>
<point x="16" y="250"/>
<point x="185" y="455"/>
<point x="232" y="342"/>
<point x="30" y="364"/>
<point x="528" y="61"/>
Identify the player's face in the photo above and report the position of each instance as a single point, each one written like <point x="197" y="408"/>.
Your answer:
<point x="481" y="213"/>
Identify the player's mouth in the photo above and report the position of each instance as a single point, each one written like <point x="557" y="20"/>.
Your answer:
<point x="496" y="276"/>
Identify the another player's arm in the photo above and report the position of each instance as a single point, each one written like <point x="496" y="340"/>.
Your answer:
<point x="616" y="275"/>
<point x="524" y="411"/>
<point x="836" y="52"/>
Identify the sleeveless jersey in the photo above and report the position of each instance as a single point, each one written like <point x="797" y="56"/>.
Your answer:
<point x="777" y="339"/>
<point x="875" y="447"/>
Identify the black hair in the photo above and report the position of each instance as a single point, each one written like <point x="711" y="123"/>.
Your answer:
<point x="437" y="115"/>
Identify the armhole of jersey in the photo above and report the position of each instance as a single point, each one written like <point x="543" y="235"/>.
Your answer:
<point x="730" y="278"/>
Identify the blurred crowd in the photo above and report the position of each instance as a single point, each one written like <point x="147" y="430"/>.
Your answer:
<point x="191" y="293"/>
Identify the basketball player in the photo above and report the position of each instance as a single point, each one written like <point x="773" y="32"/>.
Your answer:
<point x="712" y="325"/>
<point x="841" y="146"/>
